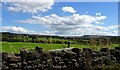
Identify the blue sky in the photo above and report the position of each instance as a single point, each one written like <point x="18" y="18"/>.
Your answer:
<point x="61" y="18"/>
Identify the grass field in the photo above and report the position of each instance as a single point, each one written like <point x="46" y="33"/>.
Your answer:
<point x="15" y="46"/>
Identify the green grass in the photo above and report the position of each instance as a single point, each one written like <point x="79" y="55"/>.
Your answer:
<point x="15" y="46"/>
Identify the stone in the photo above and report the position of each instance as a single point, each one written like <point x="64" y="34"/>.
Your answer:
<point x="76" y="50"/>
<point x="68" y="44"/>
<point x="104" y="49"/>
<point x="39" y="49"/>
<point x="30" y="56"/>
<point x="23" y="54"/>
<point x="117" y="48"/>
<point x="4" y="56"/>
<point x="4" y="67"/>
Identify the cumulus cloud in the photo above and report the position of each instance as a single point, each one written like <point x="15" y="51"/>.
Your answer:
<point x="15" y="29"/>
<point x="24" y="0"/>
<point x="29" y="6"/>
<point x="75" y="24"/>
<point x="69" y="9"/>
<point x="98" y="14"/>
<point x="113" y="27"/>
<point x="74" y="19"/>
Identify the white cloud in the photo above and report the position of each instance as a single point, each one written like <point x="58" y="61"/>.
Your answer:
<point x="15" y="29"/>
<point x="54" y="19"/>
<point x="24" y="0"/>
<point x="29" y="6"/>
<point x="75" y="24"/>
<point x="68" y="9"/>
<point x="47" y="33"/>
<point x="68" y="0"/>
<point x="113" y="27"/>
<point x="98" y="14"/>
<point x="100" y="17"/>
<point x="101" y="28"/>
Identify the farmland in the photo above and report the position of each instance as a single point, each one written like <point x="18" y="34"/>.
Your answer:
<point x="13" y="42"/>
<point x="15" y="46"/>
<point x="92" y="52"/>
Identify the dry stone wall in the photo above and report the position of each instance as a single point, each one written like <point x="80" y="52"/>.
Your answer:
<point x="76" y="59"/>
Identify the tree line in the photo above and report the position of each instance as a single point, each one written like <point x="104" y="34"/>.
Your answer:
<point x="105" y="40"/>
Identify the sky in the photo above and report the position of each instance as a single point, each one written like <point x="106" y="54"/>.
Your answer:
<point x="60" y="18"/>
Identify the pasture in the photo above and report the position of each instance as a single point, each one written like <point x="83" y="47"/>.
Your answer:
<point x="14" y="47"/>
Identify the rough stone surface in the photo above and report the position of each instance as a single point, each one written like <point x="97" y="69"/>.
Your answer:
<point x="74" y="60"/>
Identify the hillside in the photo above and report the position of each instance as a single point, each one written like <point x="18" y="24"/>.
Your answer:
<point x="13" y="37"/>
